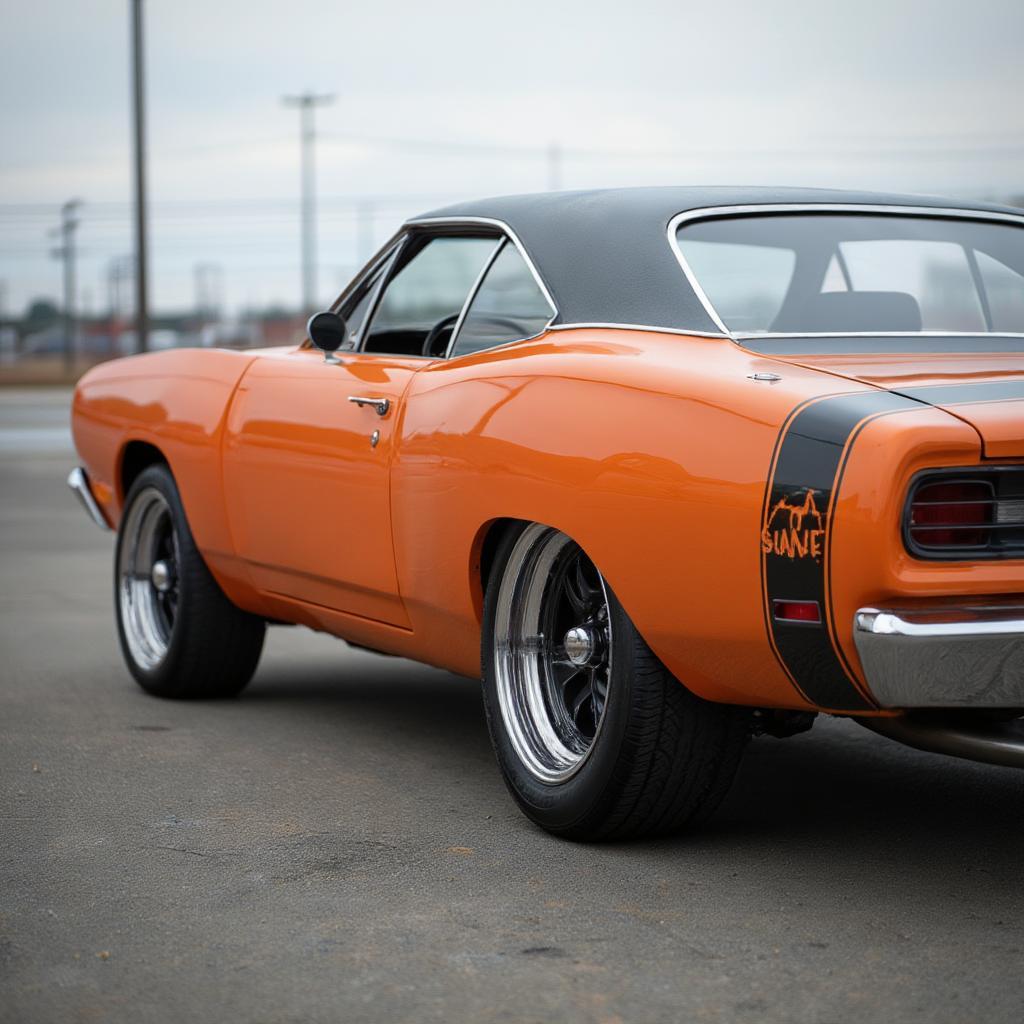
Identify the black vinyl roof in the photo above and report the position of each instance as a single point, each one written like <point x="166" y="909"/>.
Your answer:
<point x="605" y="257"/>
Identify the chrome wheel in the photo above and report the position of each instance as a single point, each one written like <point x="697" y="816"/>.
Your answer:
<point x="553" y="653"/>
<point x="147" y="573"/>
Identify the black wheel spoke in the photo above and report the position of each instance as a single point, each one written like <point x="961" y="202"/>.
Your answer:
<point x="576" y="595"/>
<point x="581" y="698"/>
<point x="571" y="678"/>
<point x="590" y="593"/>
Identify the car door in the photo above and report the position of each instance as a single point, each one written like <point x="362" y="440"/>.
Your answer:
<point x="309" y="442"/>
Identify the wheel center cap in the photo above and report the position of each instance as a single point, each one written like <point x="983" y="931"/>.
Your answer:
<point x="162" y="576"/>
<point x="580" y="644"/>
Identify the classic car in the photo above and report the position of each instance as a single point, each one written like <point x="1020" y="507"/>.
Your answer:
<point x="668" y="468"/>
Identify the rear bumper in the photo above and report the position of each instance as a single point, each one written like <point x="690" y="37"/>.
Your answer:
<point x="948" y="657"/>
<point x="78" y="481"/>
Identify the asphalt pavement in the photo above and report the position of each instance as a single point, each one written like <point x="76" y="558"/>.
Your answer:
<point x="337" y="845"/>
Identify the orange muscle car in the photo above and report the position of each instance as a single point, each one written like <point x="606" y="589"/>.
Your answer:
<point x="668" y="468"/>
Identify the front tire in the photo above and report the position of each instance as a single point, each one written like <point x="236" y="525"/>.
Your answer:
<point x="595" y="738"/>
<point x="180" y="636"/>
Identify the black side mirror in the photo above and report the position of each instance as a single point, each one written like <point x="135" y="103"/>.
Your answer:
<point x="328" y="332"/>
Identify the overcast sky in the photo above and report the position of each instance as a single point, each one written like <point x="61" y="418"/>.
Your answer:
<point x="910" y="95"/>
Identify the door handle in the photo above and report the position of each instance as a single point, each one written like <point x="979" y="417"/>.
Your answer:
<point x="380" y="405"/>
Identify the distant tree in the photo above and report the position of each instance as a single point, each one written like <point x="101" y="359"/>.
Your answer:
<point x="276" y="312"/>
<point x="41" y="313"/>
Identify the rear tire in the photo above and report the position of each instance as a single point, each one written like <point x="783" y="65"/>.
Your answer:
<point x="595" y="738"/>
<point x="180" y="636"/>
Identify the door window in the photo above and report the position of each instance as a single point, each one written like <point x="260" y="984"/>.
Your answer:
<point x="355" y="307"/>
<point x="508" y="306"/>
<point x="424" y="297"/>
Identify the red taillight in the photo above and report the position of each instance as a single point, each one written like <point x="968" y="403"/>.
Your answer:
<point x="796" y="611"/>
<point x="952" y="514"/>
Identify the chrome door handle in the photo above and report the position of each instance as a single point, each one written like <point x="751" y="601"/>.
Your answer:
<point x="380" y="405"/>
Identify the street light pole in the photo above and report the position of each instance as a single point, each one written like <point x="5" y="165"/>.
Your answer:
<point x="138" y="109"/>
<point x="307" y="103"/>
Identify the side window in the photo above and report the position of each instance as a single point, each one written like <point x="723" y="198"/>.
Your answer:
<point x="508" y="306"/>
<point x="355" y="307"/>
<point x="424" y="297"/>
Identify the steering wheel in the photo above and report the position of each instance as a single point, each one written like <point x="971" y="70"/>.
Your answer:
<point x="500" y="329"/>
<point x="435" y="332"/>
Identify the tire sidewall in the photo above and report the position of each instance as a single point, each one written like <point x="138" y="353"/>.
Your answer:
<point x="569" y="805"/>
<point x="158" y="679"/>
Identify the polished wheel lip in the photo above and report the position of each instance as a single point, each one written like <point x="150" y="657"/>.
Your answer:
<point x="535" y="725"/>
<point x="147" y="590"/>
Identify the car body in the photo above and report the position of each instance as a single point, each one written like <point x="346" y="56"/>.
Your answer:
<point x="747" y="493"/>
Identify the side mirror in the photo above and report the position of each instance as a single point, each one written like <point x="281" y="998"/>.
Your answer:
<point x="327" y="331"/>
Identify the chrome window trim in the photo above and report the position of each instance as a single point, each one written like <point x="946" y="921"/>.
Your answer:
<point x="505" y="344"/>
<point x="403" y="237"/>
<point x="398" y="242"/>
<point x="488" y="263"/>
<point x="509" y="233"/>
<point x="713" y="212"/>
<point x="380" y="259"/>
<point x="755" y="336"/>
<point x="638" y="327"/>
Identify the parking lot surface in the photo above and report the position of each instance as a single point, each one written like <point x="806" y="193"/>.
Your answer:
<point x="337" y="845"/>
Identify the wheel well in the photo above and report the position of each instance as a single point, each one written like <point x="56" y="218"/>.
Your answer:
<point x="137" y="456"/>
<point x="489" y="543"/>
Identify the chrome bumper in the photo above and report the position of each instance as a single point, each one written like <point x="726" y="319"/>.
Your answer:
<point x="78" y="481"/>
<point x="967" y="657"/>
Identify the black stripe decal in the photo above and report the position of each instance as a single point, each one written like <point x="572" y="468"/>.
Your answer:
<point x="796" y="530"/>
<point x="968" y="393"/>
<point x="889" y="345"/>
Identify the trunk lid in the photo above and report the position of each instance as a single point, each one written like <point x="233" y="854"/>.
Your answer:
<point x="984" y="388"/>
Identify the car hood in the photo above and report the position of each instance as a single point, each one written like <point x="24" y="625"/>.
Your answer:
<point x="984" y="389"/>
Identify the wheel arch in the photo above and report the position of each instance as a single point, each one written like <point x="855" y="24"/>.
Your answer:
<point x="485" y="548"/>
<point x="483" y="553"/>
<point x="135" y="457"/>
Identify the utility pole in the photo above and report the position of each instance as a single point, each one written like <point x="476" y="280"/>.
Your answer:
<point x="307" y="102"/>
<point x="208" y="288"/>
<point x="119" y="272"/>
<point x="554" y="160"/>
<point x="3" y="324"/>
<point x="65" y="252"/>
<point x="138" y="109"/>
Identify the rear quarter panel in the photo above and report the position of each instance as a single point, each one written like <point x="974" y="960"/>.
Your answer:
<point x="651" y="450"/>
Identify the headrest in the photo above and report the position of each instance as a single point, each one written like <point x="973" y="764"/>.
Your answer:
<point x="854" y="312"/>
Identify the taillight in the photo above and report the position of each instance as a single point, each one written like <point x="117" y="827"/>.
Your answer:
<point x="970" y="513"/>
<point x="952" y="514"/>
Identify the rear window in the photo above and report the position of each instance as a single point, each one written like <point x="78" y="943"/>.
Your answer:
<point x="856" y="273"/>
